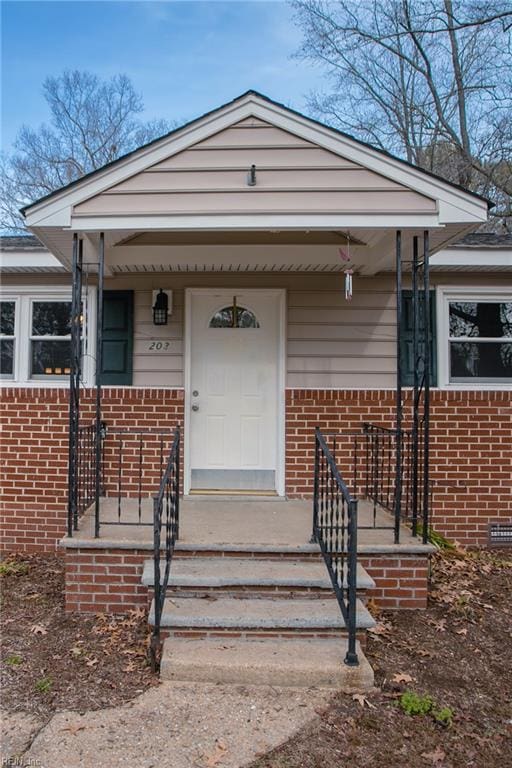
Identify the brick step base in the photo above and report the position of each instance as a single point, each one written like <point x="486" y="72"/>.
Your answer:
<point x="108" y="579"/>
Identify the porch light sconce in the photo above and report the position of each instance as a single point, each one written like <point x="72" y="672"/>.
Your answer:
<point x="160" y="307"/>
<point x="251" y="177"/>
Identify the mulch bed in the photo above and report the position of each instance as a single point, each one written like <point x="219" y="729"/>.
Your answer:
<point x="51" y="661"/>
<point x="458" y="652"/>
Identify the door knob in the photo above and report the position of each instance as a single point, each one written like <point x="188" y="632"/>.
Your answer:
<point x="195" y="407"/>
<point x="195" y="393"/>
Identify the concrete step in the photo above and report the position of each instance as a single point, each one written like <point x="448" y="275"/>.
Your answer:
<point x="256" y="615"/>
<point x="265" y="662"/>
<point x="232" y="572"/>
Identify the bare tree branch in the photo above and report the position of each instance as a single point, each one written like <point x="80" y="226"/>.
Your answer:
<point x="430" y="80"/>
<point x="92" y="122"/>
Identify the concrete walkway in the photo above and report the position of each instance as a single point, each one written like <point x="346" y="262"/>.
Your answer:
<point x="176" y="725"/>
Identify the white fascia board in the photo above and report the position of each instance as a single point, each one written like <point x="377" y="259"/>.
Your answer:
<point x="254" y="221"/>
<point x="22" y="259"/>
<point x="471" y="257"/>
<point x="409" y="176"/>
<point x="143" y="159"/>
<point x="251" y="106"/>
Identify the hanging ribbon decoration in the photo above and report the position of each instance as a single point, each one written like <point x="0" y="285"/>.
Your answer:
<point x="347" y="272"/>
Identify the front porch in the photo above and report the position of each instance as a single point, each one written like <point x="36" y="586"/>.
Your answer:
<point x="236" y="523"/>
<point x="234" y="528"/>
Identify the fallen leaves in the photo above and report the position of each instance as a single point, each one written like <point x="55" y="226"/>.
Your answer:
<point x="436" y="757"/>
<point x="363" y="701"/>
<point x="400" y="677"/>
<point x="438" y="624"/>
<point x="38" y="629"/>
<point x="381" y="629"/>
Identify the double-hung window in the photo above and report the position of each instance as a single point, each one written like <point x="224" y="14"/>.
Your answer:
<point x="8" y="327"/>
<point x="35" y="335"/>
<point x="477" y="337"/>
<point x="50" y="338"/>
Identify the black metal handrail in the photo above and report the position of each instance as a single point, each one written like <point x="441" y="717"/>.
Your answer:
<point x="368" y="462"/>
<point x="335" y="530"/>
<point x="166" y="515"/>
<point x="82" y="490"/>
<point x="132" y="464"/>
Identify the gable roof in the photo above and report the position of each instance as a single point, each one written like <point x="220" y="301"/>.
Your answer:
<point x="261" y="97"/>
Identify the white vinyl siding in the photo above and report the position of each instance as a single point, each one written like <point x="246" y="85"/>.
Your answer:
<point x="331" y="342"/>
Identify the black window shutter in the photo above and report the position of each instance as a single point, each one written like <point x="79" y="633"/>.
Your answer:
<point x="117" y="358"/>
<point x="406" y="351"/>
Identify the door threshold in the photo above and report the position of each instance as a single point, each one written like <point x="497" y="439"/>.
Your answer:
<point x="229" y="492"/>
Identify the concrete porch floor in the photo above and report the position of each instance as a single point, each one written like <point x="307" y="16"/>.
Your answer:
<point x="234" y="522"/>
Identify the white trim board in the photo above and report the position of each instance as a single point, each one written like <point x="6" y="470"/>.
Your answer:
<point x="454" y="204"/>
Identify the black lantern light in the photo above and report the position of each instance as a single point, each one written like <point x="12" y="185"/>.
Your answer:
<point x="160" y="309"/>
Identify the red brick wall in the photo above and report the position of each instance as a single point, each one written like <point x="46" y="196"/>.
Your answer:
<point x="105" y="580"/>
<point x="401" y="581"/>
<point x="34" y="447"/>
<point x="471" y="449"/>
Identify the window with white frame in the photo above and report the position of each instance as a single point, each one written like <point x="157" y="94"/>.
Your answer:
<point x="7" y="338"/>
<point x="35" y="335"/>
<point x="50" y="337"/>
<point x="476" y="337"/>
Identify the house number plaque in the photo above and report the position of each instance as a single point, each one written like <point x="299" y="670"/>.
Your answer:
<point x="157" y="346"/>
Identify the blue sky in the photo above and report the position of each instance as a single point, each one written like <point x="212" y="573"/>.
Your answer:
<point x="184" y="57"/>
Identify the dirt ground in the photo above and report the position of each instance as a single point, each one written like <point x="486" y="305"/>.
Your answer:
<point x="458" y="653"/>
<point x="453" y="661"/>
<point x="52" y="661"/>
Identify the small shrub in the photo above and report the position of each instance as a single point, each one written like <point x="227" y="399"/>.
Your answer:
<point x="44" y="685"/>
<point x="413" y="704"/>
<point x="438" y="540"/>
<point x="443" y="716"/>
<point x="10" y="567"/>
<point x="14" y="660"/>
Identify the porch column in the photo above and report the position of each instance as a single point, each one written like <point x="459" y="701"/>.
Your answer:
<point x="416" y="387"/>
<point x="99" y="360"/>
<point x="398" y="406"/>
<point x="74" y="383"/>
<point x="426" y="394"/>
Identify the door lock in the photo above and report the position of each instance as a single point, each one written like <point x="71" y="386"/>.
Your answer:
<point x="195" y="407"/>
<point x="195" y="393"/>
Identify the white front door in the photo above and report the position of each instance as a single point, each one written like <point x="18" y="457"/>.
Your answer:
<point x="233" y="397"/>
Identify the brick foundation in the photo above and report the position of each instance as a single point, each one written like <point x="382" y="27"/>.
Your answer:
<point x="471" y="449"/>
<point x="34" y="442"/>
<point x="401" y="581"/>
<point x="105" y="580"/>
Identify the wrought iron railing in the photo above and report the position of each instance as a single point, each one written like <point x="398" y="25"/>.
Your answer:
<point x="83" y="477"/>
<point x="335" y="530"/>
<point x="166" y="524"/>
<point x="373" y="471"/>
<point x="132" y="465"/>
